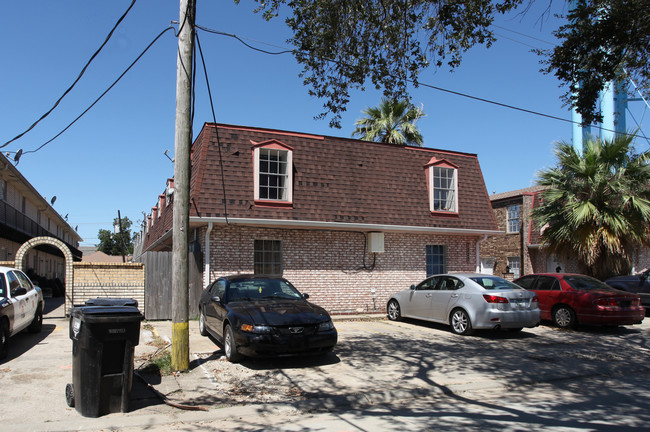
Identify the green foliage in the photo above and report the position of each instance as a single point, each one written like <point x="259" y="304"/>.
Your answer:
<point x="345" y="45"/>
<point x="115" y="243"/>
<point x="391" y="122"/>
<point x="597" y="205"/>
<point x="603" y="40"/>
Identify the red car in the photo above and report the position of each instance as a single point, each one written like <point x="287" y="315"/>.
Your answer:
<point x="569" y="299"/>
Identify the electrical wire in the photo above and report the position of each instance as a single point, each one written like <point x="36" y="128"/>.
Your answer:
<point x="220" y="33"/>
<point x="528" y="111"/>
<point x="104" y="93"/>
<point x="65" y="93"/>
<point x="214" y="119"/>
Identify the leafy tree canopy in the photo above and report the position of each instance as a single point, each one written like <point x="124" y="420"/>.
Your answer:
<point x="391" y="122"/>
<point x="347" y="44"/>
<point x="603" y="40"/>
<point x="596" y="206"/>
<point x="112" y="243"/>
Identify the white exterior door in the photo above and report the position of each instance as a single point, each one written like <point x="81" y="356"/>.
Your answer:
<point x="487" y="266"/>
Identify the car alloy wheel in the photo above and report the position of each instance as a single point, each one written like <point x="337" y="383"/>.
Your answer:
<point x="460" y="322"/>
<point x="202" y="329"/>
<point x="394" y="313"/>
<point x="564" y="317"/>
<point x="229" y="345"/>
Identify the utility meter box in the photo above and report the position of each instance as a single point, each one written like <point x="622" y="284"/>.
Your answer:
<point x="375" y="242"/>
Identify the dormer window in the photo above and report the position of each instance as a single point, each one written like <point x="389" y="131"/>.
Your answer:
<point x="442" y="179"/>
<point x="273" y="162"/>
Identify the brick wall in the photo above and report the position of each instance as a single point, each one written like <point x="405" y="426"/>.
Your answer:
<point x="114" y="280"/>
<point x="330" y="265"/>
<point x="500" y="247"/>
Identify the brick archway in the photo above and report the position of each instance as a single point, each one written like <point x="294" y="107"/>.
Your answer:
<point x="37" y="241"/>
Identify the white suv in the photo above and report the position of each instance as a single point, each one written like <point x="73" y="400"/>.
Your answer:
<point x="21" y="306"/>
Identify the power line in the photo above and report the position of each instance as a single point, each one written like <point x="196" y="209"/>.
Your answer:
<point x="220" y="33"/>
<point x="103" y="94"/>
<point x="65" y="93"/>
<point x="524" y="35"/>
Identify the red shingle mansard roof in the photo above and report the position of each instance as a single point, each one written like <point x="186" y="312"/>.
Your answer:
<point x="335" y="180"/>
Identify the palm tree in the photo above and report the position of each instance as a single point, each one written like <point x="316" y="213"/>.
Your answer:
<point x="597" y="205"/>
<point x="391" y="122"/>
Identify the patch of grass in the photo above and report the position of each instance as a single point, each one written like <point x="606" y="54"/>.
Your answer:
<point x="159" y="364"/>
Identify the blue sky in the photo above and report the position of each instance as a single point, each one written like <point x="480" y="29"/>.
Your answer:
<point x="113" y="157"/>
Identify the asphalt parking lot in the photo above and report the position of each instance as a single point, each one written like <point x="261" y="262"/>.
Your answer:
<point x="376" y="363"/>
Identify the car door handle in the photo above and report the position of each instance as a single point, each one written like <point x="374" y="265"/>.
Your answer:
<point x="454" y="295"/>
<point x="427" y="295"/>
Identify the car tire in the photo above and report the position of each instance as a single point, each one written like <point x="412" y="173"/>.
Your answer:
<point x="37" y="323"/>
<point x="203" y="330"/>
<point x="564" y="317"/>
<point x="460" y="322"/>
<point x="230" y="346"/>
<point x="69" y="395"/>
<point x="515" y="329"/>
<point x="4" y="339"/>
<point x="393" y="311"/>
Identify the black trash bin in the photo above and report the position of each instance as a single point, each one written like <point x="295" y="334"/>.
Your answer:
<point x="103" y="342"/>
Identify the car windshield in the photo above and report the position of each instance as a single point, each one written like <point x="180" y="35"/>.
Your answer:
<point x="585" y="283"/>
<point x="494" y="283"/>
<point x="262" y="288"/>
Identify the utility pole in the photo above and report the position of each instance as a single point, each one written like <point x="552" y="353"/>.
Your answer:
<point x="181" y="222"/>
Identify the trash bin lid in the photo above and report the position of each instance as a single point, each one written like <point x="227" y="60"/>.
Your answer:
<point x="112" y="302"/>
<point x="106" y="314"/>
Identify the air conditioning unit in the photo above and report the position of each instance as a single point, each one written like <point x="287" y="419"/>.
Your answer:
<point x="375" y="242"/>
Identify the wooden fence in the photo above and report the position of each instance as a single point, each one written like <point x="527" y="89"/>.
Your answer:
<point x="158" y="284"/>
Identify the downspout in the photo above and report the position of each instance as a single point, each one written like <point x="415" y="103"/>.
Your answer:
<point x="206" y="267"/>
<point x="478" y="253"/>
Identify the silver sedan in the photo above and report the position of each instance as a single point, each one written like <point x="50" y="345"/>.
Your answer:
<point x="467" y="302"/>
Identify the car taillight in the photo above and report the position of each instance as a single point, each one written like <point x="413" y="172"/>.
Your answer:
<point x="534" y="300"/>
<point x="606" y="302"/>
<point x="494" y="299"/>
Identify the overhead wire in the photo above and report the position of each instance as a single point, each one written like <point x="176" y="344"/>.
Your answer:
<point x="457" y="93"/>
<point x="220" y="33"/>
<point x="104" y="93"/>
<point x="214" y="119"/>
<point x="83" y="71"/>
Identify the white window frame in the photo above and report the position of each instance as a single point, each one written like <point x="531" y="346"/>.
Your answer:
<point x="286" y="195"/>
<point x="510" y="221"/>
<point x="434" y="172"/>
<point x="514" y="263"/>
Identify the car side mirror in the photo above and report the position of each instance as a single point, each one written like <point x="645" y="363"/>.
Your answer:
<point x="412" y="287"/>
<point x="19" y="291"/>
<point x="216" y="299"/>
<point x="305" y="296"/>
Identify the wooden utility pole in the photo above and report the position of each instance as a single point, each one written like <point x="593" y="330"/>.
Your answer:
<point x="181" y="222"/>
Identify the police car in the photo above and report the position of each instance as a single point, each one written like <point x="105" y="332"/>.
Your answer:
<point x="21" y="306"/>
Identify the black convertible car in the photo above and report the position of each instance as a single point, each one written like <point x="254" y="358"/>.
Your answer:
<point x="259" y="316"/>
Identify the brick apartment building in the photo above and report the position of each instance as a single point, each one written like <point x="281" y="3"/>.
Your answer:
<point x="25" y="214"/>
<point x="519" y="247"/>
<point x="350" y="222"/>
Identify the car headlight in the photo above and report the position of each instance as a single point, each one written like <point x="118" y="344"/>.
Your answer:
<point x="326" y="326"/>
<point x="258" y="329"/>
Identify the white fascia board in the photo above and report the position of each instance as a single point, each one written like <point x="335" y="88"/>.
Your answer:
<point x="338" y="226"/>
